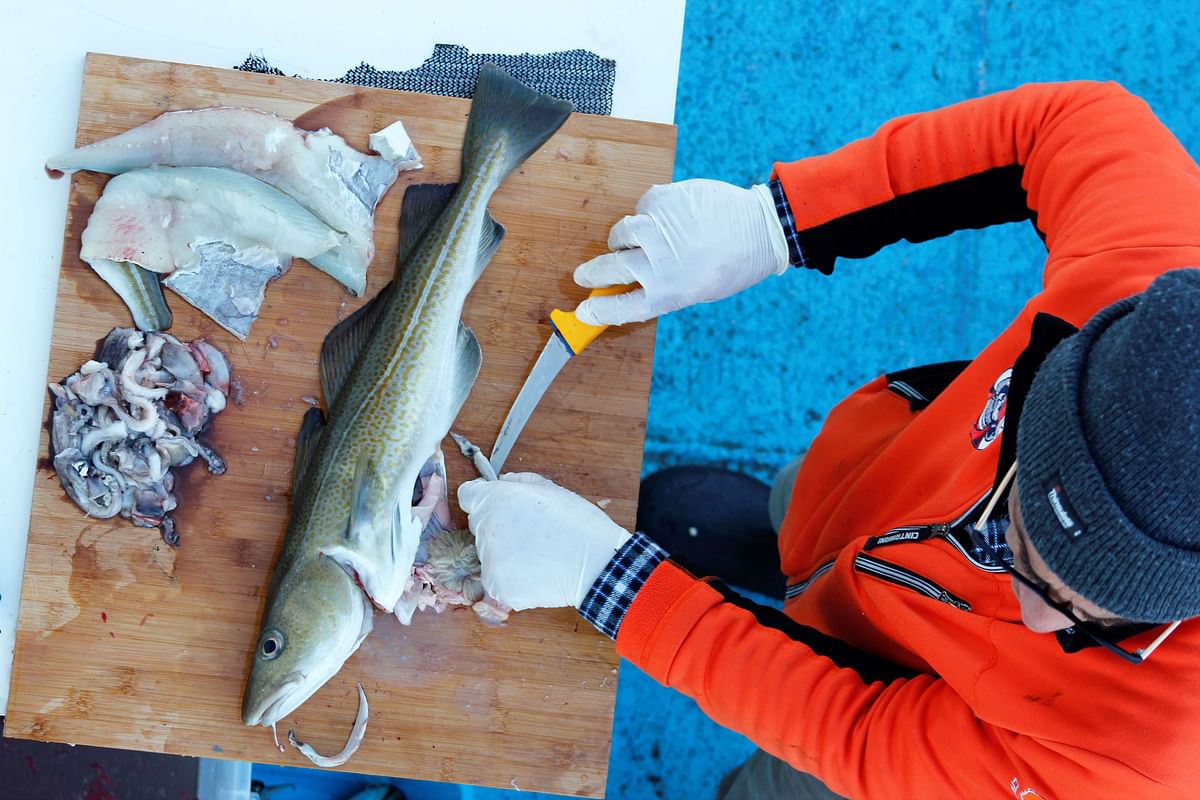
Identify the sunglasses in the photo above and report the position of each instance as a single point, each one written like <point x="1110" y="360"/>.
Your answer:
<point x="1091" y="630"/>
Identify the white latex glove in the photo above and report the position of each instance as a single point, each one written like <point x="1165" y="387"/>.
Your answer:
<point x="690" y="242"/>
<point x="540" y="545"/>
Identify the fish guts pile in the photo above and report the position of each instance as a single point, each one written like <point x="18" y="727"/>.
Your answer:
<point x="125" y="419"/>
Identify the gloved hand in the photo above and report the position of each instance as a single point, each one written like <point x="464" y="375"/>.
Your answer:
<point x="690" y="242"/>
<point x="540" y="545"/>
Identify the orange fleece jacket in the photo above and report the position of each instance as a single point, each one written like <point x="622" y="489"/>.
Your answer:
<point x="883" y="690"/>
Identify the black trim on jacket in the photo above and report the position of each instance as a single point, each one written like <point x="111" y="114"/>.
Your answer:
<point x="869" y="667"/>
<point x="920" y="386"/>
<point x="976" y="201"/>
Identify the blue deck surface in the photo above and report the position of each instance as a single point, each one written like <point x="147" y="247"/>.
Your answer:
<point x="746" y="383"/>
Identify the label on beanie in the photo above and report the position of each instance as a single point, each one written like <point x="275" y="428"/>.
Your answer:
<point x="1063" y="512"/>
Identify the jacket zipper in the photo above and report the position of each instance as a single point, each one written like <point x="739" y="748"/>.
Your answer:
<point x="909" y="533"/>
<point x="937" y="530"/>
<point x="907" y="578"/>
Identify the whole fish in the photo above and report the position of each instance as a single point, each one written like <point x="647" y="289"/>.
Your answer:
<point x="394" y="375"/>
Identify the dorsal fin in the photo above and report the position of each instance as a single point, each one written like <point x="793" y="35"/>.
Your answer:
<point x="345" y="342"/>
<point x="306" y="446"/>
<point x="489" y="242"/>
<point x="422" y="205"/>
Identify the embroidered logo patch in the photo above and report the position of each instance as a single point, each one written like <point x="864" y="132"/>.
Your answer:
<point x="990" y="424"/>
<point x="1023" y="794"/>
<point x="1063" y="512"/>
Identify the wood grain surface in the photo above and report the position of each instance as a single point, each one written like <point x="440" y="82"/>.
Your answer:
<point x="125" y="642"/>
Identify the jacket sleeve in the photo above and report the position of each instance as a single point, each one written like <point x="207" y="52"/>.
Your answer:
<point x="863" y="726"/>
<point x="1088" y="163"/>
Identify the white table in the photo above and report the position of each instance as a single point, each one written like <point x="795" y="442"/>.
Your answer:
<point x="41" y="61"/>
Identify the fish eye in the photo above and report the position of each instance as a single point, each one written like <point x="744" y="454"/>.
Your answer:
<point x="271" y="645"/>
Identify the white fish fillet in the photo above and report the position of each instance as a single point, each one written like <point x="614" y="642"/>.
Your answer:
<point x="218" y="235"/>
<point x="155" y="217"/>
<point x="334" y="181"/>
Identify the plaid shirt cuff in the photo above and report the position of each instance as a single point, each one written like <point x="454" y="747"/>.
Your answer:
<point x="795" y="254"/>
<point x="613" y="592"/>
<point x="990" y="545"/>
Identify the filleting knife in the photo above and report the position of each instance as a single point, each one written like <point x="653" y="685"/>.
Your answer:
<point x="569" y="338"/>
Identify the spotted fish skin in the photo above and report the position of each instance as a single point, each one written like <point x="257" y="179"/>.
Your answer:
<point x="395" y="375"/>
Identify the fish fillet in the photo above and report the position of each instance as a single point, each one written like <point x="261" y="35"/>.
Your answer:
<point x="218" y="235"/>
<point x="337" y="183"/>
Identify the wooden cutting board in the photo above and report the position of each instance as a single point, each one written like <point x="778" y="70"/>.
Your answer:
<point x="125" y="642"/>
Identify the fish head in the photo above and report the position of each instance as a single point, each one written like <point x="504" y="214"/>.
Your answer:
<point x="315" y="619"/>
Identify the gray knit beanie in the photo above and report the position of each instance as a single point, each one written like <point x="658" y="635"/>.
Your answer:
<point x="1108" y="454"/>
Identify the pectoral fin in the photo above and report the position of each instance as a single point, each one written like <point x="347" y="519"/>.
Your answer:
<point x="379" y="560"/>
<point x="362" y="489"/>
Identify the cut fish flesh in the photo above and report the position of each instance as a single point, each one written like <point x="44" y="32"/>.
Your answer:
<point x="156" y="217"/>
<point x="220" y="236"/>
<point x="334" y="181"/>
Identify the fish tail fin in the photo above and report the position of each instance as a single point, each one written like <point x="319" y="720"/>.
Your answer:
<point x="508" y="120"/>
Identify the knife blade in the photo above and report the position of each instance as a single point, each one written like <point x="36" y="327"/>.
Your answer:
<point x="569" y="338"/>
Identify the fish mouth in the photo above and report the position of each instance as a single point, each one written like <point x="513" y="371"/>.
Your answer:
<point x="278" y="704"/>
<point x="310" y="673"/>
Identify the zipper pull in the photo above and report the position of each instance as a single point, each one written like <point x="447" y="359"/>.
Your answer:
<point x="939" y="529"/>
<point x="961" y="605"/>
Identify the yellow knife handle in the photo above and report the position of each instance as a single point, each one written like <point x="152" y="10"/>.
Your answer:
<point x="578" y="335"/>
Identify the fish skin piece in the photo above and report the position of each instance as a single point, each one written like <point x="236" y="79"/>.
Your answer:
<point x="220" y="236"/>
<point x="140" y="289"/>
<point x="230" y="284"/>
<point x="394" y="144"/>
<point x="412" y="364"/>
<point x="337" y="183"/>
